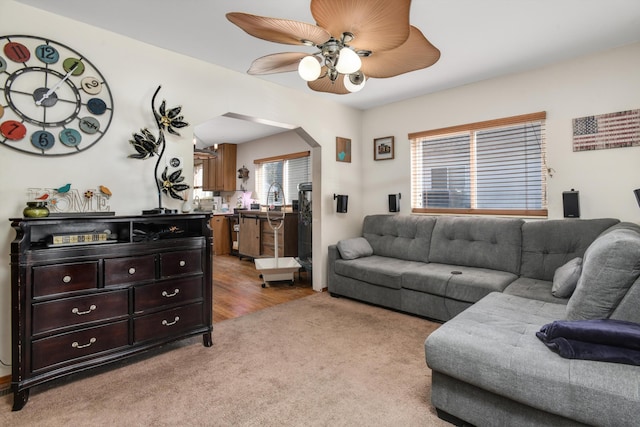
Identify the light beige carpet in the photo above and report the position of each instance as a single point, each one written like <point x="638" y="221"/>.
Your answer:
<point x="316" y="361"/>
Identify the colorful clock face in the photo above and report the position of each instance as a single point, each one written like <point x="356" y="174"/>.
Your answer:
<point x="56" y="102"/>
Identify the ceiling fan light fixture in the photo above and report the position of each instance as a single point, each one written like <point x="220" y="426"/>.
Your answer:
<point x="348" y="61"/>
<point x="352" y="38"/>
<point x="354" y="82"/>
<point x="309" y="68"/>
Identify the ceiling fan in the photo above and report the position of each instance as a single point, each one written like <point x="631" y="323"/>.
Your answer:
<point x="355" y="40"/>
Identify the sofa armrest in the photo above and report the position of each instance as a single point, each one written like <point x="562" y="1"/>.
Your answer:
<point x="333" y="256"/>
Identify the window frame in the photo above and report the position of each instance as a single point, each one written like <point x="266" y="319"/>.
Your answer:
<point x="471" y="128"/>
<point x="281" y="158"/>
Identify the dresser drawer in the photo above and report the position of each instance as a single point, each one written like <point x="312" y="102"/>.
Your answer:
<point x="167" y="323"/>
<point x="76" y="311"/>
<point x="175" y="291"/>
<point x="177" y="263"/>
<point x="67" y="347"/>
<point x="56" y="279"/>
<point x="129" y="270"/>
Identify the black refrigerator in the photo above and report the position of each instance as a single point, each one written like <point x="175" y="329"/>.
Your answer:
<point x="304" y="226"/>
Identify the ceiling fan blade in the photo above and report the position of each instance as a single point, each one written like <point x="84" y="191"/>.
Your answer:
<point x="377" y="25"/>
<point x="276" y="63"/>
<point x="414" y="54"/>
<point x="279" y="30"/>
<point x="325" y="84"/>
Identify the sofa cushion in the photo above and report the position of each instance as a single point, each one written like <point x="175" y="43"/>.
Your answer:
<point x="468" y="284"/>
<point x="536" y="289"/>
<point x="377" y="270"/>
<point x="549" y="244"/>
<point x="357" y="247"/>
<point x="399" y="236"/>
<point x="566" y="278"/>
<point x="492" y="243"/>
<point x="610" y="266"/>
<point x="492" y="345"/>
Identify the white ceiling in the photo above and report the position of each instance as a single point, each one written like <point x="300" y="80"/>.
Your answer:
<point x="478" y="39"/>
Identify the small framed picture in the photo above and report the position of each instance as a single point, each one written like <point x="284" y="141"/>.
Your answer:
<point x="383" y="148"/>
<point x="343" y="150"/>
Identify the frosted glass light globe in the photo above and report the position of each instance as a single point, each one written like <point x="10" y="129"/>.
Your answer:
<point x="351" y="87"/>
<point x="309" y="68"/>
<point x="348" y="61"/>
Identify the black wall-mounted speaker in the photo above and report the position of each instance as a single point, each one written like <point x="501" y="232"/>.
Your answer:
<point x="341" y="206"/>
<point x="571" y="204"/>
<point x="394" y="203"/>
<point x="637" y="193"/>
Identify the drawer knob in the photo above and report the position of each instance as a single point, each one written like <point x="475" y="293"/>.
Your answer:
<point x="183" y="263"/>
<point x="165" y="294"/>
<point x="66" y="279"/>
<point x="132" y="270"/>
<point x="77" y="311"/>
<point x="175" y="320"/>
<point x="75" y="344"/>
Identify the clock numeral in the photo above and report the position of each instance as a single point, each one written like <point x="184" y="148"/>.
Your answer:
<point x="96" y="106"/>
<point x="73" y="64"/>
<point x="91" y="85"/>
<point x="43" y="139"/>
<point x="89" y="125"/>
<point x="17" y="52"/>
<point x="13" y="130"/>
<point x="47" y="54"/>
<point x="70" y="137"/>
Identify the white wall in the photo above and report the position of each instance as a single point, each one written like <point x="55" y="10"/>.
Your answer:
<point x="596" y="84"/>
<point x="133" y="71"/>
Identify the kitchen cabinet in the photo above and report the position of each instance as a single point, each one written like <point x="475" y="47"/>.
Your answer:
<point x="219" y="172"/>
<point x="221" y="238"/>
<point x="86" y="291"/>
<point x="257" y="238"/>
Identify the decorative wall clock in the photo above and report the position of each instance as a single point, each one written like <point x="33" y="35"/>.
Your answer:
<point x="56" y="102"/>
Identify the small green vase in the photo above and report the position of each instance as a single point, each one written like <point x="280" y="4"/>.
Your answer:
<point x="36" y="210"/>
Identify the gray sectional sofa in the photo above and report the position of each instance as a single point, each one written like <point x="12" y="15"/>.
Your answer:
<point x="492" y="280"/>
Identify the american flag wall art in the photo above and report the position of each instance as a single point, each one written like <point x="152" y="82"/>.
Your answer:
<point x="612" y="130"/>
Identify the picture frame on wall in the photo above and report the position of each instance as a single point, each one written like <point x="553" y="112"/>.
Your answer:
<point x="383" y="148"/>
<point x="343" y="150"/>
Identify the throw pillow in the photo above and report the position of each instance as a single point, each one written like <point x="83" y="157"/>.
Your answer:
<point x="566" y="278"/>
<point x="609" y="267"/>
<point x="356" y="247"/>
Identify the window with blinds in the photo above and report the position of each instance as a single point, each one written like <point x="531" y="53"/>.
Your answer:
<point x="495" y="167"/>
<point x="288" y="171"/>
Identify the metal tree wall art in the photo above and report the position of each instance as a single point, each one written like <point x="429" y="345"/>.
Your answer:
<point x="147" y="145"/>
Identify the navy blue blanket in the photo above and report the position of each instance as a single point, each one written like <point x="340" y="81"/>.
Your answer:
<point x="603" y="340"/>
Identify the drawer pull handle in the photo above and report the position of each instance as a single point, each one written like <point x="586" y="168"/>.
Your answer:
<point x="76" y="345"/>
<point x="165" y="294"/>
<point x="165" y="323"/>
<point x="183" y="263"/>
<point x="77" y="311"/>
<point x="132" y="270"/>
<point x="66" y="279"/>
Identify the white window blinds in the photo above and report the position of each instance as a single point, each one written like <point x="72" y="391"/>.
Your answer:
<point x="288" y="171"/>
<point x="493" y="167"/>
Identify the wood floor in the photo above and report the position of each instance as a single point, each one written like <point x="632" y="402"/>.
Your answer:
<point x="237" y="288"/>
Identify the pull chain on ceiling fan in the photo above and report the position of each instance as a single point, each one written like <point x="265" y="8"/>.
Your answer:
<point x="355" y="39"/>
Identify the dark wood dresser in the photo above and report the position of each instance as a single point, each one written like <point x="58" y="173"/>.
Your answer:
<point x="92" y="290"/>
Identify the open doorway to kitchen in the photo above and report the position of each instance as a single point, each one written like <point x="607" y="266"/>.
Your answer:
<point x="237" y="285"/>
